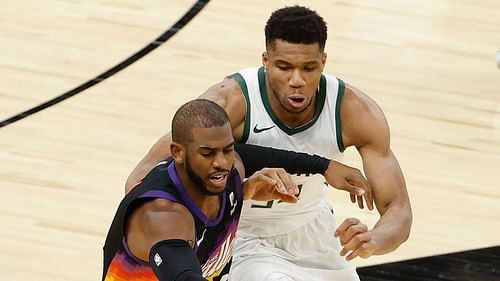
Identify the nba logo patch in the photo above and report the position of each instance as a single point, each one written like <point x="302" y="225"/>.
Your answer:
<point x="157" y="259"/>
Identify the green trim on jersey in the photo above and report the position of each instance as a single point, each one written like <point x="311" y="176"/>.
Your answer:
<point x="291" y="131"/>
<point x="338" y="124"/>
<point x="244" y="90"/>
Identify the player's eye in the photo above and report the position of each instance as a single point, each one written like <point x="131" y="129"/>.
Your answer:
<point x="207" y="153"/>
<point x="284" y="68"/>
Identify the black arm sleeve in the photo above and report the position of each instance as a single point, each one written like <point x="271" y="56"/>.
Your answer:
<point x="256" y="157"/>
<point x="174" y="260"/>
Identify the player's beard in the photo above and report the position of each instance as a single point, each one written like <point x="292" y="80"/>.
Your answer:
<point x="198" y="181"/>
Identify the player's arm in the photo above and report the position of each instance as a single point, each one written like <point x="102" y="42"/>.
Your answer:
<point x="228" y="95"/>
<point x="256" y="158"/>
<point x="267" y="184"/>
<point x="368" y="130"/>
<point x="158" y="230"/>
<point x="157" y="153"/>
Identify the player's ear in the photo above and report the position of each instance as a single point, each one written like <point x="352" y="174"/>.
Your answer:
<point x="264" y="59"/>
<point x="323" y="58"/>
<point x="178" y="152"/>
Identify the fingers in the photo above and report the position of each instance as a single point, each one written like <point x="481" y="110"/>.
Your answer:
<point x="360" y="202"/>
<point x="355" y="239"/>
<point x="272" y="180"/>
<point x="351" y="180"/>
<point x="369" y="196"/>
<point x="363" y="188"/>
<point x="348" y="229"/>
<point x="288" y="182"/>
<point x="286" y="197"/>
<point x="348" y="235"/>
<point x="283" y="180"/>
<point x="362" y="247"/>
<point x="272" y="184"/>
<point x="353" y="244"/>
<point x="354" y="189"/>
<point x="357" y="198"/>
<point x="358" y="193"/>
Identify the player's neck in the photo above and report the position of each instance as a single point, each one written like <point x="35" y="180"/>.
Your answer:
<point x="210" y="206"/>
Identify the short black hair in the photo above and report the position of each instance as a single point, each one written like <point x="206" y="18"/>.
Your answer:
<point x="199" y="113"/>
<point x="296" y="24"/>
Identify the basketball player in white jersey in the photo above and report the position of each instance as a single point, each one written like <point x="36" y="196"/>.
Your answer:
<point x="290" y="103"/>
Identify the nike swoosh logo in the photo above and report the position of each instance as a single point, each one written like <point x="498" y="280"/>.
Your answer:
<point x="260" y="130"/>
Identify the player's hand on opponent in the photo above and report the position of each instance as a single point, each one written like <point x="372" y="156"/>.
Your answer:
<point x="343" y="177"/>
<point x="270" y="184"/>
<point x="355" y="239"/>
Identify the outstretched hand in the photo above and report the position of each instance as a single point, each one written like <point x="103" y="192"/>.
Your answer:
<point x="271" y="184"/>
<point x="343" y="177"/>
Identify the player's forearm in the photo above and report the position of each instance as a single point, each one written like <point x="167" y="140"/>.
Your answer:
<point x="139" y="172"/>
<point x="158" y="152"/>
<point x="184" y="267"/>
<point x="256" y="158"/>
<point x="393" y="228"/>
<point x="391" y="198"/>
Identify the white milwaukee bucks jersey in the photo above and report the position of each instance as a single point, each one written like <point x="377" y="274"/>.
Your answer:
<point x="322" y="136"/>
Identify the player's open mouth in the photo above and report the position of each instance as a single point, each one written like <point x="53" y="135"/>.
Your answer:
<point x="218" y="179"/>
<point x="297" y="101"/>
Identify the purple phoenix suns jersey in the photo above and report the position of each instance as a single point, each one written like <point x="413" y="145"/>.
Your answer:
<point x="215" y="237"/>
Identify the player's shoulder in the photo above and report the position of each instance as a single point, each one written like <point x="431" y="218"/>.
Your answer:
<point x="224" y="93"/>
<point x="228" y="95"/>
<point x="160" y="205"/>
<point x="231" y="84"/>
<point x="161" y="201"/>
<point x="362" y="118"/>
<point x="160" y="219"/>
<point x="358" y="102"/>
